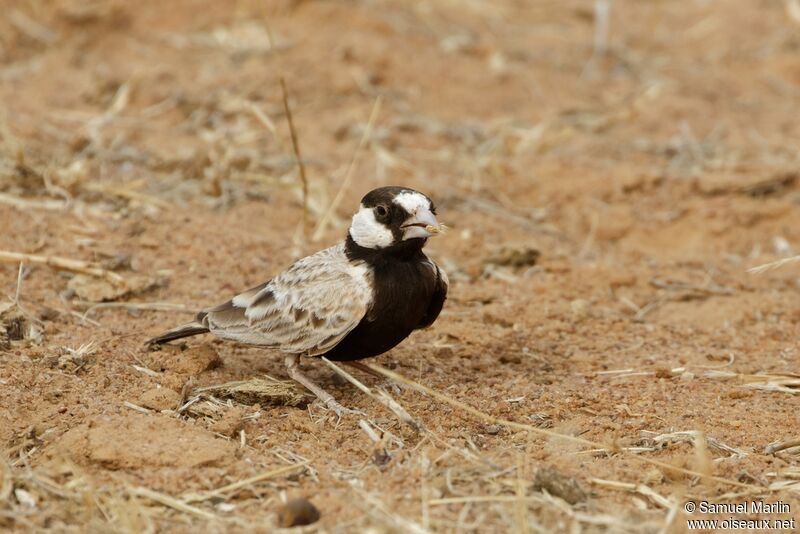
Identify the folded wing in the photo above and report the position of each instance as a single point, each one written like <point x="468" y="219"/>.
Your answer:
<point x="307" y="309"/>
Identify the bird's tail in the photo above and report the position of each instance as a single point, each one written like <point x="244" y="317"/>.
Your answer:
<point x="189" y="329"/>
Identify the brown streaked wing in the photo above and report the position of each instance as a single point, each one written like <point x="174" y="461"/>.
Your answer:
<point x="307" y="309"/>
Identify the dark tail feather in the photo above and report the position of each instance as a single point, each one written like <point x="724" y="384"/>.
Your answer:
<point x="191" y="329"/>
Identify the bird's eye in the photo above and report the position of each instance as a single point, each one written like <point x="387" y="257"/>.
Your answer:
<point x="382" y="211"/>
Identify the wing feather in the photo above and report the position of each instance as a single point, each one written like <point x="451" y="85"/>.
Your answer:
<point x="307" y="309"/>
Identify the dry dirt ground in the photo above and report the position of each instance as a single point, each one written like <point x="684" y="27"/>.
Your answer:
<point x="609" y="172"/>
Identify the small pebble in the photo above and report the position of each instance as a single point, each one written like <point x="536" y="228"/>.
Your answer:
<point x="491" y="429"/>
<point x="297" y="512"/>
<point x="558" y="484"/>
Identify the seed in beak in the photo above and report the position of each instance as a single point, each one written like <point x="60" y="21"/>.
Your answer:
<point x="440" y="228"/>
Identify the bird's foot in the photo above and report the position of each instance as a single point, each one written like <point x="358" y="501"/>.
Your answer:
<point x="340" y="410"/>
<point x="326" y="398"/>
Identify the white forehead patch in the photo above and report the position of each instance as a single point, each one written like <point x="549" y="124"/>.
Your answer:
<point x="367" y="232"/>
<point x="412" y="201"/>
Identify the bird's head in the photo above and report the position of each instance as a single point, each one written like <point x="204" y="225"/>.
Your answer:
<point x="391" y="216"/>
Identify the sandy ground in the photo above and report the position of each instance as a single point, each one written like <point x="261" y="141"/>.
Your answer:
<point x="608" y="181"/>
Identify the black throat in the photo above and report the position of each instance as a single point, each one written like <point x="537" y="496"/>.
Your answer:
<point x="408" y="250"/>
<point x="403" y="286"/>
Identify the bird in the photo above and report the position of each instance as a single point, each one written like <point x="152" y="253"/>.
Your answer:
<point x="354" y="300"/>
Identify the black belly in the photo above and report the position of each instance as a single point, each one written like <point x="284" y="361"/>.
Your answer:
<point x="403" y="295"/>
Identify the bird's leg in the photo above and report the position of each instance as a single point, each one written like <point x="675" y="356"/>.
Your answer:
<point x="297" y="375"/>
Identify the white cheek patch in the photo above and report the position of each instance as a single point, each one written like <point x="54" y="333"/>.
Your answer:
<point x="411" y="201"/>
<point x="369" y="233"/>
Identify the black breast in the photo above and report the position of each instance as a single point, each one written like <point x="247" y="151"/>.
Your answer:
<point x="405" y="285"/>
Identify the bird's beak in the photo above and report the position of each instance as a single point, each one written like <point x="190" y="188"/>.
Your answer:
<point x="422" y="224"/>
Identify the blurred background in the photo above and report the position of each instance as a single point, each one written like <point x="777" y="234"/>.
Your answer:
<point x="609" y="170"/>
<point x="662" y="127"/>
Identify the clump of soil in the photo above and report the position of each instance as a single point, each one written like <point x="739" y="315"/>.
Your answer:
<point x="135" y="441"/>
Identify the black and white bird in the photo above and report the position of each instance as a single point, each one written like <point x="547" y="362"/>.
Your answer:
<point x="354" y="300"/>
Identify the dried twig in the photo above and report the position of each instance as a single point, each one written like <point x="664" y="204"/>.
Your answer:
<point x="371" y="434"/>
<point x="20" y="277"/>
<point x="779" y="383"/>
<point x="641" y="489"/>
<point x="382" y="397"/>
<point x="694" y="437"/>
<point x="136" y="407"/>
<point x="300" y="165"/>
<point x="145" y="370"/>
<point x="760" y="269"/>
<point x="36" y="204"/>
<point x="323" y="223"/>
<point x="264" y="119"/>
<point x="133" y="306"/>
<point x="602" y="9"/>
<point x="128" y="192"/>
<point x="199" y="497"/>
<point x="63" y="264"/>
<point x="778" y="446"/>
<point x="172" y="502"/>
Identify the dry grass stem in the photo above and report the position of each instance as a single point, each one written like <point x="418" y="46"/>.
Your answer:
<point x="382" y="397"/>
<point x="136" y="407"/>
<point x="230" y="488"/>
<point x="25" y="204"/>
<point x="760" y="269"/>
<point x="133" y="306"/>
<point x="641" y="489"/>
<point x="778" y="446"/>
<point x="367" y="428"/>
<point x="348" y="175"/>
<point x="693" y="290"/>
<point x="62" y="264"/>
<point x="172" y="502"/>
<point x="300" y="165"/>
<point x="18" y="288"/>
<point x="145" y="370"/>
<point x="128" y="192"/>
<point x="264" y="119"/>
<point x="602" y="9"/>
<point x="776" y="383"/>
<point x="691" y="436"/>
